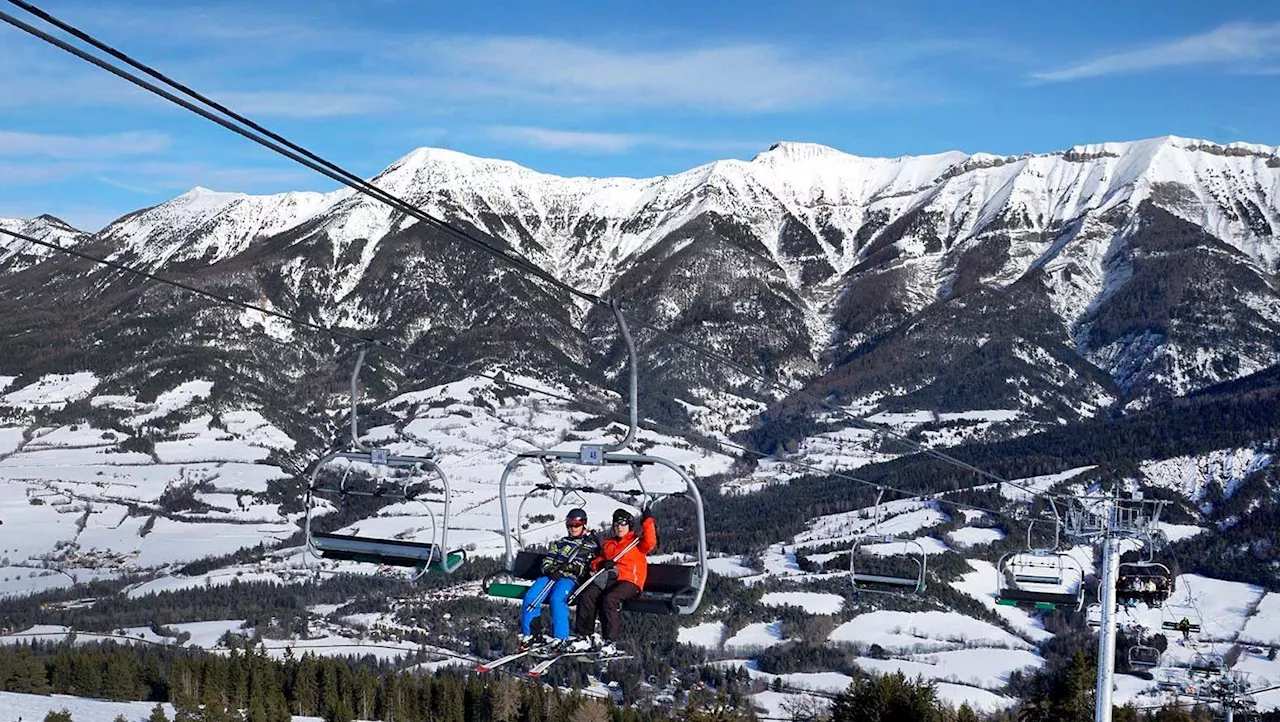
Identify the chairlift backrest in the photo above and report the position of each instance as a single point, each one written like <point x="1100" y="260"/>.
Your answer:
<point x="1047" y="586"/>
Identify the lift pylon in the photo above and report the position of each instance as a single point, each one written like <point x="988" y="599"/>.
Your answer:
<point x="1110" y="519"/>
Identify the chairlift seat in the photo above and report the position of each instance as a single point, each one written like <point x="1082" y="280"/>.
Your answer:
<point x="1039" y="600"/>
<point x="1193" y="628"/>
<point x="861" y="578"/>
<point x="392" y="552"/>
<point x="664" y="583"/>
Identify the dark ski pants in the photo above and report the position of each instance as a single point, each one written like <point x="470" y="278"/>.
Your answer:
<point x="607" y="604"/>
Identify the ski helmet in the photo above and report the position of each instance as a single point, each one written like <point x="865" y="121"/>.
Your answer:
<point x="623" y="515"/>
<point x="576" y="515"/>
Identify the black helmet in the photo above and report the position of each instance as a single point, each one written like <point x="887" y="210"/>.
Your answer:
<point x="623" y="515"/>
<point x="576" y="514"/>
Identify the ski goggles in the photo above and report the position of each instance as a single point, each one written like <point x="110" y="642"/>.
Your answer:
<point x="575" y="524"/>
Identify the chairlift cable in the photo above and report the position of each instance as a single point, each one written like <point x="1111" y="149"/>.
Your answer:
<point x="299" y="154"/>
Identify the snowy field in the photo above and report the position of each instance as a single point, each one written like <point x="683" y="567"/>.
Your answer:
<point x="75" y="506"/>
<point x="16" y="707"/>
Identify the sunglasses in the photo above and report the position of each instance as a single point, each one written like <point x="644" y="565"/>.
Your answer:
<point x="622" y="522"/>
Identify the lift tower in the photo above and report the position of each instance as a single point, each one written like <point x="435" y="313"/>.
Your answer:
<point x="1109" y="520"/>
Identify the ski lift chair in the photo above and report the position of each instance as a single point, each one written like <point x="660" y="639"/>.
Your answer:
<point x="669" y="588"/>
<point x="1145" y="581"/>
<point x="1207" y="663"/>
<point x="873" y="572"/>
<point x="901" y="571"/>
<point x="1143" y="656"/>
<point x="1038" y="577"/>
<point x="1181" y="618"/>
<point x="1093" y="615"/>
<point x="423" y="556"/>
<point x="1040" y="580"/>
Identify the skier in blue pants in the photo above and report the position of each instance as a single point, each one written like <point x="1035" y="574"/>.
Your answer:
<point x="562" y="570"/>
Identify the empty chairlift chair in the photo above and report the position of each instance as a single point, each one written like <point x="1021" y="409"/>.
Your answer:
<point x="670" y="588"/>
<point x="884" y="562"/>
<point x="1207" y="663"/>
<point x="384" y="476"/>
<point x="889" y="564"/>
<point x="1041" y="580"/>
<point x="1141" y="656"/>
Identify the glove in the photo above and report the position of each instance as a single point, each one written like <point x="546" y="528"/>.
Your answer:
<point x="646" y="512"/>
<point x="607" y="564"/>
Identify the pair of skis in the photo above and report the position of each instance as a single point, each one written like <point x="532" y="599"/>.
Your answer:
<point x="548" y="656"/>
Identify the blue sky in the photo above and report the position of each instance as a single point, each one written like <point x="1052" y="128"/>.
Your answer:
<point x="599" y="88"/>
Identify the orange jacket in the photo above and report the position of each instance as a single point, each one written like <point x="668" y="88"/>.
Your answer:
<point x="632" y="567"/>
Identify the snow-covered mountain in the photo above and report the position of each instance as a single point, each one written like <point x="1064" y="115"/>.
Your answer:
<point x="1050" y="303"/>
<point x="20" y="254"/>
<point x="842" y="260"/>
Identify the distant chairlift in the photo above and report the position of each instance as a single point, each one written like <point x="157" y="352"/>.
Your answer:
<point x="898" y="569"/>
<point x="669" y="588"/>
<point x="1145" y="581"/>
<point x="1183" y="617"/>
<point x="1041" y="577"/>
<point x="394" y="477"/>
<point x="1142" y="656"/>
<point x="1207" y="663"/>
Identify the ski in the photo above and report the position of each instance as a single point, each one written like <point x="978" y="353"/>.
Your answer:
<point x="540" y="668"/>
<point x="535" y="651"/>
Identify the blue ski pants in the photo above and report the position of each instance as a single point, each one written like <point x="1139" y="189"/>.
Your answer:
<point x="557" y="598"/>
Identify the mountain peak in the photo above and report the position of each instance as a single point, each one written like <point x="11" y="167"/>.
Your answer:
<point x="790" y="150"/>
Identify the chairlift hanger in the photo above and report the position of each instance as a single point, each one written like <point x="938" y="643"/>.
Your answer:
<point x="1143" y="656"/>
<point x="669" y="588"/>
<point x="393" y="552"/>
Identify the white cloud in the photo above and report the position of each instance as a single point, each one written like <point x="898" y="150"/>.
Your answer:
<point x="81" y="146"/>
<point x="598" y="142"/>
<point x="1233" y="43"/>
<point x="732" y="77"/>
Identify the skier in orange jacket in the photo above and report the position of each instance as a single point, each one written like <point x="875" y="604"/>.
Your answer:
<point x="621" y="580"/>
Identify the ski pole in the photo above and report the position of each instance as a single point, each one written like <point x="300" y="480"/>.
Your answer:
<point x="546" y="589"/>
<point x="574" y="595"/>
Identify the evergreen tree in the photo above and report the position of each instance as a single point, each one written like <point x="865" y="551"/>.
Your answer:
<point x="887" y="698"/>
<point x="63" y="715"/>
<point x="157" y="714"/>
<point x="27" y="675"/>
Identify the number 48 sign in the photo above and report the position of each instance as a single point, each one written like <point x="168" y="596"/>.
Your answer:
<point x="592" y="454"/>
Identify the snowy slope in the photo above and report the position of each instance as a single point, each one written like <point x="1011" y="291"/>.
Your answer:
<point x="44" y="228"/>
